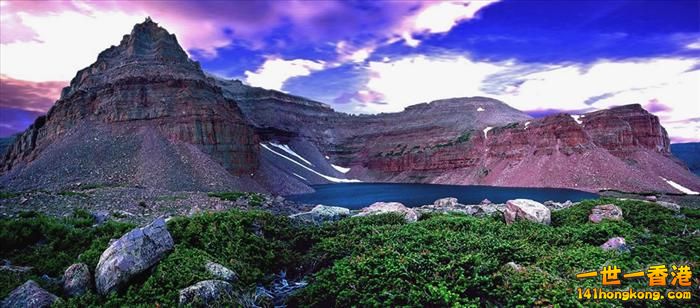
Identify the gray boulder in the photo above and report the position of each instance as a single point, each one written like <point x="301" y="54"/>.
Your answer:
<point x="525" y="209"/>
<point x="221" y="272"/>
<point x="605" y="212"/>
<point x="615" y="243"/>
<point x="669" y="205"/>
<point x="77" y="280"/>
<point x="29" y="295"/>
<point x="131" y="255"/>
<point x="206" y="293"/>
<point x="390" y="207"/>
<point x="321" y="214"/>
<point x="446" y="202"/>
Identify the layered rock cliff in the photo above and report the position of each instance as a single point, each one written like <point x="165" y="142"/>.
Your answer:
<point x="142" y="110"/>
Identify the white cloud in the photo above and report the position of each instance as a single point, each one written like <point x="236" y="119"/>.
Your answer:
<point x="439" y="17"/>
<point x="671" y="83"/>
<point x="275" y="71"/>
<point x="411" y="80"/>
<point x="65" y="42"/>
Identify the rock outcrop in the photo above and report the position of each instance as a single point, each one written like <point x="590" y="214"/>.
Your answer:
<point x="132" y="254"/>
<point x="29" y="295"/>
<point x="77" y="280"/>
<point x="207" y="293"/>
<point x="615" y="243"/>
<point x="524" y="209"/>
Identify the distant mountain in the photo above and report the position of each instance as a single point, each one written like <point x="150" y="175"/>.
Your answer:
<point x="144" y="114"/>
<point x="689" y="153"/>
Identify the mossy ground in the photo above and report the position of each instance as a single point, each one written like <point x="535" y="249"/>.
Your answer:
<point x="442" y="260"/>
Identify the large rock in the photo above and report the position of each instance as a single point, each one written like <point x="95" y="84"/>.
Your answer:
<point x="206" y="293"/>
<point x="29" y="295"/>
<point x="525" y="209"/>
<point x="446" y="202"/>
<point x="389" y="207"/>
<point x="605" y="211"/>
<point x="320" y="214"/>
<point x="77" y="280"/>
<point x="221" y="272"/>
<point x="132" y="254"/>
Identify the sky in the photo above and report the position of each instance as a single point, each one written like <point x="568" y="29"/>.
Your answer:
<point x="541" y="57"/>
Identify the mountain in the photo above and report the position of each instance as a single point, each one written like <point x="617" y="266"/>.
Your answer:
<point x="144" y="114"/>
<point x="689" y="153"/>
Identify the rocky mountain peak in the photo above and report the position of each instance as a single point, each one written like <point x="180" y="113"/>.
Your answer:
<point x="149" y="51"/>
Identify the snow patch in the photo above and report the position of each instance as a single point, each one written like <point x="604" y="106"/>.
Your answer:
<point x="329" y="178"/>
<point x="486" y="131"/>
<point x="527" y="124"/>
<point x="340" y="169"/>
<point x="299" y="176"/>
<point x="289" y="150"/>
<point x="480" y="109"/>
<point x="577" y="118"/>
<point x="680" y="188"/>
<point x="327" y="157"/>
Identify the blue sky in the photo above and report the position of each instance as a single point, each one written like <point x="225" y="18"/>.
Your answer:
<point x="381" y="56"/>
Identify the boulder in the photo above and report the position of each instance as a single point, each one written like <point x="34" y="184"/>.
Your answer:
<point x="605" y="211"/>
<point x="525" y="209"/>
<point x="555" y="206"/>
<point x="446" y="202"/>
<point x="131" y="255"/>
<point x="221" y="272"/>
<point x="651" y="198"/>
<point x="515" y="267"/>
<point x="669" y="205"/>
<point x="389" y="207"/>
<point x="77" y="280"/>
<point x="321" y="214"/>
<point x="615" y="243"/>
<point x="486" y="202"/>
<point x="29" y="295"/>
<point x="206" y="293"/>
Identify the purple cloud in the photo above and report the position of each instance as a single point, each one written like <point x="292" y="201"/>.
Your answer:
<point x="27" y="95"/>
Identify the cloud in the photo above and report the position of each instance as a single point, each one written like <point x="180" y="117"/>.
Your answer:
<point x="438" y="17"/>
<point x="30" y="96"/>
<point x="275" y="72"/>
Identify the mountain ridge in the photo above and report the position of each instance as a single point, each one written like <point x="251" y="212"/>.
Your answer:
<point x="145" y="114"/>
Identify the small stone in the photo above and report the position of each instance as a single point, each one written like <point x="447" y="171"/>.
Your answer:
<point x="615" y="243"/>
<point x="221" y="272"/>
<point x="77" y="280"/>
<point x="206" y="293"/>
<point x="515" y="266"/>
<point x="605" y="211"/>
<point x="669" y="205"/>
<point x="651" y="198"/>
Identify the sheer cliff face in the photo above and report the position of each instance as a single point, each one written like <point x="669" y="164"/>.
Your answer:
<point x="144" y="86"/>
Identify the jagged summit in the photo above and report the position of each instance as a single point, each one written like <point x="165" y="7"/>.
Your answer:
<point x="149" y="51"/>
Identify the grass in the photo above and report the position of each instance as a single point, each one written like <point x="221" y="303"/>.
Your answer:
<point x="254" y="199"/>
<point x="441" y="260"/>
<point x="7" y="195"/>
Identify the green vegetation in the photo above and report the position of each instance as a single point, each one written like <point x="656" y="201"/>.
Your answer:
<point x="254" y="199"/>
<point x="7" y="195"/>
<point x="464" y="137"/>
<point x="441" y="260"/>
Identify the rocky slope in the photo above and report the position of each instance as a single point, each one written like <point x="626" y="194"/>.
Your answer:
<point x="144" y="114"/>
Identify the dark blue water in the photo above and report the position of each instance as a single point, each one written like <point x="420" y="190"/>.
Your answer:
<point x="359" y="195"/>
